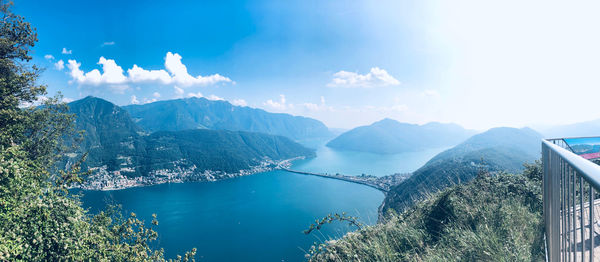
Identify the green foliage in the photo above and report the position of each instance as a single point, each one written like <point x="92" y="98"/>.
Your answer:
<point x="34" y="129"/>
<point x="109" y="132"/>
<point x="389" y="137"/>
<point x="334" y="217"/>
<point x="222" y="150"/>
<point x="195" y="113"/>
<point x="113" y="139"/>
<point x="492" y="218"/>
<point x="39" y="220"/>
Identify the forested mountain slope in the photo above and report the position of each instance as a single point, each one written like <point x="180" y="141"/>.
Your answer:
<point x="201" y="113"/>
<point x="498" y="149"/>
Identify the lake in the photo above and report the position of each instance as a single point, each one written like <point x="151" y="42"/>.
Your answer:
<point x="356" y="163"/>
<point x="259" y="217"/>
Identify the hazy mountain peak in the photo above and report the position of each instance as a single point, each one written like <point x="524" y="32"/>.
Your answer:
<point x="390" y="136"/>
<point x="581" y="129"/>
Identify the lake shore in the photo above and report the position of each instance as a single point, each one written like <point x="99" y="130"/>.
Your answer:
<point x="104" y="180"/>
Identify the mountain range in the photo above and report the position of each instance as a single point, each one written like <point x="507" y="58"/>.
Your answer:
<point x="120" y="150"/>
<point x="390" y="136"/>
<point x="581" y="129"/>
<point x="498" y="149"/>
<point x="201" y="113"/>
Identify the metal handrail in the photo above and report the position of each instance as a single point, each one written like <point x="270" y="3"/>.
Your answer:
<point x="571" y="137"/>
<point x="565" y="177"/>
<point x="587" y="169"/>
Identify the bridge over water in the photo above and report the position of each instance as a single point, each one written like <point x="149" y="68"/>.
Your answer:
<point x="380" y="183"/>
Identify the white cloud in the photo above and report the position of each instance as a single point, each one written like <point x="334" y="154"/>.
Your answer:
<point x="375" y="78"/>
<point x="112" y="73"/>
<point x="76" y="73"/>
<point x="279" y="105"/>
<point x="138" y="74"/>
<point x="67" y="100"/>
<point x="146" y="100"/>
<point x="49" y="57"/>
<point x="156" y="94"/>
<point x="134" y="100"/>
<point x="399" y="108"/>
<point x="282" y="105"/>
<point x="181" y="76"/>
<point x="60" y="65"/>
<point x="239" y="102"/>
<point x="318" y="107"/>
<point x="39" y="100"/>
<point x="66" y="52"/>
<point x="198" y="95"/>
<point x="210" y="97"/>
<point x="178" y="91"/>
<point x="311" y="106"/>
<point x="215" y="98"/>
<point x="119" y="89"/>
<point x="431" y="93"/>
<point x="175" y="73"/>
<point x="108" y="43"/>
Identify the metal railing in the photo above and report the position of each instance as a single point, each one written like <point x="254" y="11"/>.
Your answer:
<point x="570" y="183"/>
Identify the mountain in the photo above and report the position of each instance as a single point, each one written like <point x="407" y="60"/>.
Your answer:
<point x="498" y="149"/>
<point x="390" y="136"/>
<point x="223" y="150"/>
<point x="120" y="150"/>
<point x="109" y="133"/>
<point x="582" y="129"/>
<point x="201" y="113"/>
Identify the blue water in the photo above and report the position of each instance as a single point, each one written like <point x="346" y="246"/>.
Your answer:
<point x="260" y="217"/>
<point x="356" y="163"/>
<point x="254" y="218"/>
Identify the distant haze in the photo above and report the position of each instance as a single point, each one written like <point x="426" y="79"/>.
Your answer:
<point x="479" y="64"/>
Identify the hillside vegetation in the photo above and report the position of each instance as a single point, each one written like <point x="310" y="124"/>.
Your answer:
<point x="492" y="218"/>
<point x="498" y="149"/>
<point x="114" y="142"/>
<point x="228" y="151"/>
<point x="390" y="136"/>
<point x="201" y="113"/>
<point x="39" y="219"/>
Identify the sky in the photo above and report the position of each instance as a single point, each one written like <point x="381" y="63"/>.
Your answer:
<point x="477" y="63"/>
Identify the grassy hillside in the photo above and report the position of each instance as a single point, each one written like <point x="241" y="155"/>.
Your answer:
<point x="390" y="136"/>
<point x="491" y="218"/>
<point x="201" y="113"/>
<point x="498" y="149"/>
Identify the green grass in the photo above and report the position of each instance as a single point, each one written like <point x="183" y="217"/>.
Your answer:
<point x="492" y="218"/>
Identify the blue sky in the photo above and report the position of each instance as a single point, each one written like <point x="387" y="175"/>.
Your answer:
<point x="347" y="63"/>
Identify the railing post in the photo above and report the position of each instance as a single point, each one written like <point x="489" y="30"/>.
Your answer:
<point x="581" y="218"/>
<point x="563" y="215"/>
<point x="591" y="223"/>
<point x="551" y="183"/>
<point x="574" y="199"/>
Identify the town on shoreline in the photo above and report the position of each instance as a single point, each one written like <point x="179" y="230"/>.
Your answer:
<point x="104" y="180"/>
